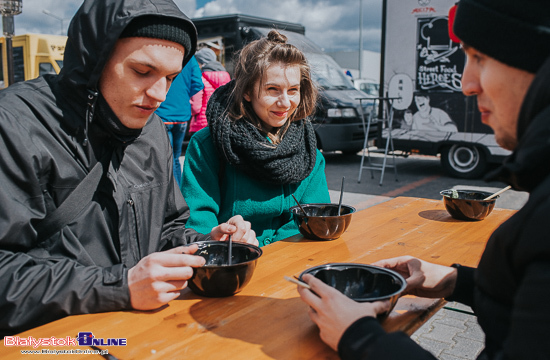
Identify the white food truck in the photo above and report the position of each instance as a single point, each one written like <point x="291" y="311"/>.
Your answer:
<point x="422" y="67"/>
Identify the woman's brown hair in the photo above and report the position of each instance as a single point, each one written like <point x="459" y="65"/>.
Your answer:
<point x="251" y="65"/>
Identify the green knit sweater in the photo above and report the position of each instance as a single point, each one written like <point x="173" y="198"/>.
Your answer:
<point x="213" y="198"/>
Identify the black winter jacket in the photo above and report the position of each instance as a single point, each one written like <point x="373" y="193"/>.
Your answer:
<point x="510" y="289"/>
<point x="137" y="210"/>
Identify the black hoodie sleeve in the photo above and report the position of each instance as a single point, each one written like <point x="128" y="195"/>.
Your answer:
<point x="464" y="288"/>
<point x="365" y="339"/>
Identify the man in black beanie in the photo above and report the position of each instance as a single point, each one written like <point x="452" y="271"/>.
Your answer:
<point x="91" y="219"/>
<point x="507" y="45"/>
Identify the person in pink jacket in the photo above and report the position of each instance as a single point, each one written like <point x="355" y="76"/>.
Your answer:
<point x="214" y="75"/>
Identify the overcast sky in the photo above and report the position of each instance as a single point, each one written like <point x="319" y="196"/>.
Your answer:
<point x="332" y="24"/>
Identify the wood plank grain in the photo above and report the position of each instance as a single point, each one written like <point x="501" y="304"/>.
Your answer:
<point x="267" y="320"/>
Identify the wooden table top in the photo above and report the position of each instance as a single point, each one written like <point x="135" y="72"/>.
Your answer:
<point x="267" y="319"/>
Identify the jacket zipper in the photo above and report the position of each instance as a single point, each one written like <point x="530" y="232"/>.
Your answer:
<point x="132" y="205"/>
<point x="90" y="109"/>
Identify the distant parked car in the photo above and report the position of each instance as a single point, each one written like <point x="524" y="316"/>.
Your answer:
<point x="368" y="86"/>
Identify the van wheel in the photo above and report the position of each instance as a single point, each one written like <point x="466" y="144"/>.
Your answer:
<point x="463" y="161"/>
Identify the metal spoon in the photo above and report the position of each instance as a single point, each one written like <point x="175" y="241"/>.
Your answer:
<point x="297" y="282"/>
<point x="303" y="211"/>
<point x="498" y="193"/>
<point x="230" y="256"/>
<point x="341" y="195"/>
<point x="299" y="205"/>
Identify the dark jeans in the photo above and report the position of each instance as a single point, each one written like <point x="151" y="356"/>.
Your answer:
<point x="176" y="133"/>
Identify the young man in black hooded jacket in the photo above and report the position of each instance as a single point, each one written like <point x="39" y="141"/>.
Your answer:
<point x="123" y="247"/>
<point x="507" y="44"/>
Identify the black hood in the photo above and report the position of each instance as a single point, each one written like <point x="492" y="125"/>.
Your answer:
<point x="94" y="30"/>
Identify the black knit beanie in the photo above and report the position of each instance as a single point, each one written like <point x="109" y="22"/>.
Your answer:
<point x="515" y="32"/>
<point x="165" y="28"/>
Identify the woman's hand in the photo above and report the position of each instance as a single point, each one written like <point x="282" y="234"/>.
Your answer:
<point x="239" y="229"/>
<point x="334" y="312"/>
<point x="423" y="278"/>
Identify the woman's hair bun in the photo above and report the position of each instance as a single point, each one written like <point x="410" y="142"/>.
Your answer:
<point x="276" y="37"/>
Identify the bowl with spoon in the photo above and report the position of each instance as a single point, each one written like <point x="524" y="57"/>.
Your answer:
<point x="223" y="275"/>
<point x="323" y="221"/>
<point x="470" y="204"/>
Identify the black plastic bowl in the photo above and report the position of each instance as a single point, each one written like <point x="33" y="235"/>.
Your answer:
<point x="219" y="279"/>
<point x="321" y="221"/>
<point x="361" y="282"/>
<point x="469" y="205"/>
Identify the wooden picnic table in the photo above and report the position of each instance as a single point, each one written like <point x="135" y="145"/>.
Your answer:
<point x="267" y="319"/>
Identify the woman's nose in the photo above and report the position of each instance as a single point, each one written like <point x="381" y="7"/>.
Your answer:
<point x="284" y="100"/>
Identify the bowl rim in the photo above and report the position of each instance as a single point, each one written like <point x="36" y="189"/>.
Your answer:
<point x="468" y="190"/>
<point x="298" y="211"/>
<point x="218" y="242"/>
<point x="367" y="266"/>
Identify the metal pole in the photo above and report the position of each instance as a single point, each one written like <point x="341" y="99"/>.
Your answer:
<point x="360" y="37"/>
<point x="9" y="8"/>
<point x="382" y="89"/>
<point x="8" y="27"/>
<point x="9" y="55"/>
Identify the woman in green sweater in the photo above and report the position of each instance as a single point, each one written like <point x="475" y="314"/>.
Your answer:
<point x="259" y="148"/>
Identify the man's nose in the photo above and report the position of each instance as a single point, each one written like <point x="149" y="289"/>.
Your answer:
<point x="470" y="80"/>
<point x="158" y="90"/>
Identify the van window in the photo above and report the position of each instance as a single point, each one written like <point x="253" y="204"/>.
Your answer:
<point x="1" y="67"/>
<point x="327" y="74"/>
<point x="59" y="63"/>
<point x="18" y="64"/>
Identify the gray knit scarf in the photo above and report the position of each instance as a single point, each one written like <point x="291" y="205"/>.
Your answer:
<point x="246" y="148"/>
